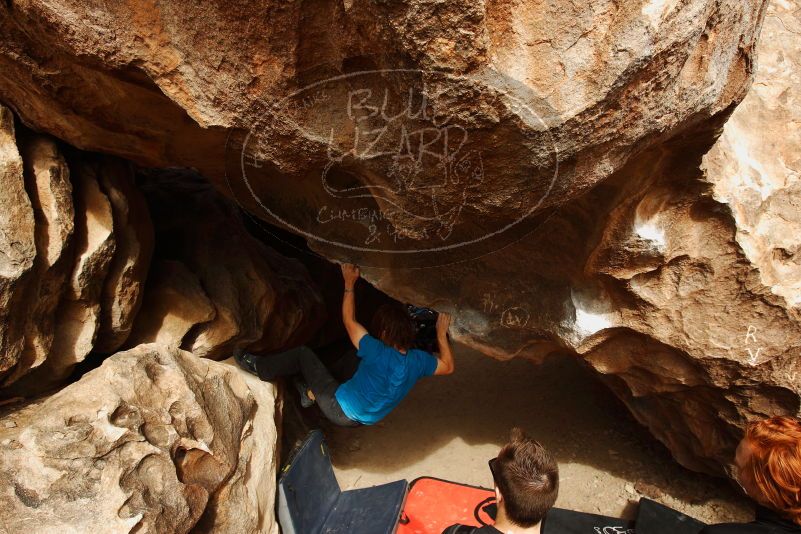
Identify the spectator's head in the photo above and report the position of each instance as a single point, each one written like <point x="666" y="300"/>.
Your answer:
<point x="768" y="462"/>
<point x="526" y="480"/>
<point x="393" y="326"/>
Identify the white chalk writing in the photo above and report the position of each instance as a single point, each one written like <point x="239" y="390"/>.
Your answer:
<point x="751" y="333"/>
<point x="327" y="214"/>
<point x="515" y="317"/>
<point x="753" y="352"/>
<point x="614" y="530"/>
<point x="509" y="314"/>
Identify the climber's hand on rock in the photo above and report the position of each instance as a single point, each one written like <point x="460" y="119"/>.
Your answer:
<point x="350" y="273"/>
<point x="443" y="322"/>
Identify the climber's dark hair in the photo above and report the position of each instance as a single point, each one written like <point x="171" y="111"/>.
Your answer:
<point x="393" y="325"/>
<point x="527" y="477"/>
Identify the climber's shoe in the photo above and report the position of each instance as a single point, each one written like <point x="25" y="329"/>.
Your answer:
<point x="303" y="389"/>
<point x="246" y="361"/>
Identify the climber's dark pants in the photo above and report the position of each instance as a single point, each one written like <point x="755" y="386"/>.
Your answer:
<point x="304" y="361"/>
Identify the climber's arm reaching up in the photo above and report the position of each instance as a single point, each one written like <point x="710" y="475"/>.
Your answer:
<point x="356" y="331"/>
<point x="445" y="363"/>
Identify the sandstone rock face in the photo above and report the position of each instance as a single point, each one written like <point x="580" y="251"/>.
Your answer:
<point x="174" y="303"/>
<point x="75" y="258"/>
<point x="17" y="244"/>
<point x="133" y="235"/>
<point x="544" y="158"/>
<point x="246" y="501"/>
<point x="50" y="191"/>
<point x="649" y="278"/>
<point x="755" y="167"/>
<point x="79" y="247"/>
<point x="155" y="440"/>
<point x="697" y="345"/>
<point x="185" y="73"/>
<point x="79" y="312"/>
<point x="217" y="287"/>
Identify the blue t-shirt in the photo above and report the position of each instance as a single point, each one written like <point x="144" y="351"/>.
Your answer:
<point x="383" y="378"/>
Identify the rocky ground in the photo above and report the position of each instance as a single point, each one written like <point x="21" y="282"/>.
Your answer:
<point x="450" y="426"/>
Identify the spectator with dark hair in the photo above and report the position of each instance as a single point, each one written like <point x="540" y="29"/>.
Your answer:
<point x="526" y="480"/>
<point x="767" y="465"/>
<point x="388" y="368"/>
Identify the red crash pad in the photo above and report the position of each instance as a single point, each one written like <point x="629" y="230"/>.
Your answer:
<point x="432" y="505"/>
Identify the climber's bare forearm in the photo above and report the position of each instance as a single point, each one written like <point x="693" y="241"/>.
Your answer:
<point x="355" y="330"/>
<point x="445" y="364"/>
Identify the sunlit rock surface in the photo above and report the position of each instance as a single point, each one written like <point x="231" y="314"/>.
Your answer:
<point x="17" y="244"/>
<point x="77" y="261"/>
<point x="50" y="191"/>
<point x="155" y="440"/>
<point x="755" y="167"/>
<point x="521" y="88"/>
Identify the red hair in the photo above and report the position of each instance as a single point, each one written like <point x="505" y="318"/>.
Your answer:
<point x="775" y="463"/>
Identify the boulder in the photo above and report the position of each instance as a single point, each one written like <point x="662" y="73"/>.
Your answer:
<point x="78" y="315"/>
<point x="246" y="501"/>
<point x="260" y="300"/>
<point x="174" y="303"/>
<point x="676" y="279"/>
<point x="644" y="278"/>
<point x="534" y="85"/>
<point x="755" y="167"/>
<point x="133" y="234"/>
<point x="48" y="183"/>
<point x="17" y="245"/>
<point x="155" y="440"/>
<point x="693" y="342"/>
<point x="80" y="287"/>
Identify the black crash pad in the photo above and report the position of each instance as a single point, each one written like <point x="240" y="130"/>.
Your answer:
<point x="559" y="521"/>
<point x="310" y="500"/>
<point x="367" y="510"/>
<point x="655" y="518"/>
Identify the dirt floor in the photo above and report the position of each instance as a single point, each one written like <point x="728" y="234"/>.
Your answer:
<point x="449" y="427"/>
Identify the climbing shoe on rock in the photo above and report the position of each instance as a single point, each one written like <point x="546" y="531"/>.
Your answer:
<point x="303" y="389"/>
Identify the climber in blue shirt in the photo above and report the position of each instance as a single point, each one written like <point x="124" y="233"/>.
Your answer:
<point x="388" y="367"/>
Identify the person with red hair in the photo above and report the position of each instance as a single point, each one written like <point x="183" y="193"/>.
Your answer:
<point x="767" y="465"/>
